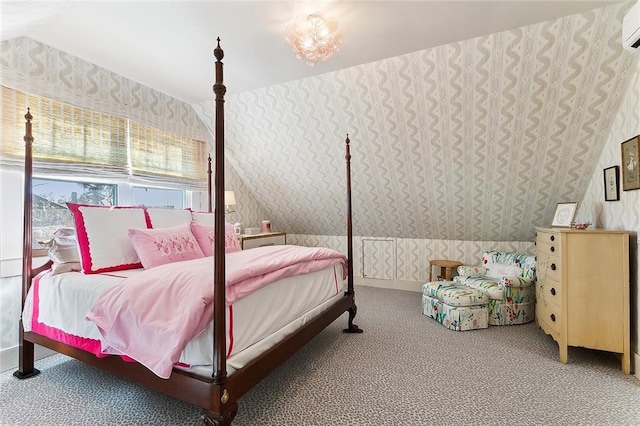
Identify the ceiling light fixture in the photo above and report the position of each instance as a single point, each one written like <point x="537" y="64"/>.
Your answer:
<point x="314" y="37"/>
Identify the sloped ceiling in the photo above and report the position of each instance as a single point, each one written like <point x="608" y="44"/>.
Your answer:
<point x="168" y="45"/>
<point x="474" y="140"/>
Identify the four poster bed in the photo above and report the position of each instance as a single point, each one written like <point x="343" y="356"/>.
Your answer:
<point x="216" y="385"/>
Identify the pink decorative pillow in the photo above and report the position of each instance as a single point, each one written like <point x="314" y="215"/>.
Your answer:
<point x="205" y="237"/>
<point x="103" y="238"/>
<point x="156" y="247"/>
<point x="231" y="243"/>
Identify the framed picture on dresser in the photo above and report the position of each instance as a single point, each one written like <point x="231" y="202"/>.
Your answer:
<point x="612" y="183"/>
<point x="564" y="214"/>
<point x="631" y="164"/>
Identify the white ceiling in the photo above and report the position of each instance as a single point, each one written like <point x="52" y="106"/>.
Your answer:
<point x="168" y="45"/>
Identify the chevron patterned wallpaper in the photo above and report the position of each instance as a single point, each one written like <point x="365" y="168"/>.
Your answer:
<point x="623" y="214"/>
<point x="475" y="141"/>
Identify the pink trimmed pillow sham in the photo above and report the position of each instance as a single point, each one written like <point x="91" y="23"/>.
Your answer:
<point x="165" y="218"/>
<point x="205" y="218"/>
<point x="205" y="237"/>
<point x="159" y="246"/>
<point x="103" y="236"/>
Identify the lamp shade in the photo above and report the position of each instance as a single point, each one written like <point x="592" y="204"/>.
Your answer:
<point x="229" y="198"/>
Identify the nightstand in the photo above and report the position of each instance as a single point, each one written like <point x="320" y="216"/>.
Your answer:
<point x="262" y="239"/>
<point x="446" y="269"/>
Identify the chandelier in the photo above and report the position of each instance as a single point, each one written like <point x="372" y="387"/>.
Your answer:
<point x="314" y="37"/>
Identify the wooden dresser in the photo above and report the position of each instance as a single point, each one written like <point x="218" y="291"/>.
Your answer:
<point x="582" y="289"/>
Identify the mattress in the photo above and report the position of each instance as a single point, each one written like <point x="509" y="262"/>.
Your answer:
<point x="255" y="323"/>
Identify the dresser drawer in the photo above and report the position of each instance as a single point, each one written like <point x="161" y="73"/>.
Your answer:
<point x="549" y="265"/>
<point x="550" y="291"/>
<point x="547" y="237"/>
<point x="261" y="240"/>
<point x="547" y="249"/>
<point x="549" y="314"/>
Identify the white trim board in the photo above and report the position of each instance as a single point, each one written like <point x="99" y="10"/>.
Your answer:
<point x="9" y="357"/>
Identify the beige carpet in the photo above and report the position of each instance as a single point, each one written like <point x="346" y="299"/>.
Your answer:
<point x="405" y="369"/>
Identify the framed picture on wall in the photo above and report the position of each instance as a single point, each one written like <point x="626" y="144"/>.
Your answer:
<point x="564" y="214"/>
<point x="612" y="183"/>
<point x="631" y="164"/>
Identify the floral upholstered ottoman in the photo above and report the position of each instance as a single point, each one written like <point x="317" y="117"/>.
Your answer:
<point x="455" y="306"/>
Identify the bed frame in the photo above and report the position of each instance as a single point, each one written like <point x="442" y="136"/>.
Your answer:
<point x="217" y="395"/>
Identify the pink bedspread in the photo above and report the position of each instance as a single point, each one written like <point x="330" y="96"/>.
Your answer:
<point x="152" y="316"/>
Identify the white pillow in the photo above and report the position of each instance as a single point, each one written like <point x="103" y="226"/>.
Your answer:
<point x="167" y="218"/>
<point x="201" y="217"/>
<point x="63" y="251"/>
<point x="59" y="268"/>
<point x="64" y="246"/>
<point x="499" y="270"/>
<point x="103" y="236"/>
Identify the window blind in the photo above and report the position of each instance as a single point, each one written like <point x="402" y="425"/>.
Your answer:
<point x="67" y="139"/>
<point x="71" y="140"/>
<point x="159" y="157"/>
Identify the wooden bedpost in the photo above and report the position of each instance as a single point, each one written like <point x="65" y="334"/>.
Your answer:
<point x="26" y="349"/>
<point x="209" y="197"/>
<point x="352" y="328"/>
<point x="219" y="328"/>
<point x="347" y="157"/>
<point x="224" y="406"/>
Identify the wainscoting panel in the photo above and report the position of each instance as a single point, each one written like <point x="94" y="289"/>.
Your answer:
<point x="410" y="256"/>
<point x="379" y="258"/>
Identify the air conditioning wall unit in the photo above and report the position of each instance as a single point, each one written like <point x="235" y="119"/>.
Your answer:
<point x="631" y="28"/>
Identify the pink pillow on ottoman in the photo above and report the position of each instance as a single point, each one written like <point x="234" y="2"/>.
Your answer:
<point x="156" y="247"/>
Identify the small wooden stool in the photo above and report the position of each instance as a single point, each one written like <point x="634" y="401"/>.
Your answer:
<point x="447" y="265"/>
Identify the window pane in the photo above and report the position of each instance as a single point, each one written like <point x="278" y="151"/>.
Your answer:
<point x="158" y="197"/>
<point x="49" y="203"/>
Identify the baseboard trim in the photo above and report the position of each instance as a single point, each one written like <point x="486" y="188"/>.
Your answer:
<point x="9" y="357"/>
<point x="391" y="284"/>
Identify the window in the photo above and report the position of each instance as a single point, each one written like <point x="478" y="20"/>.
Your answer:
<point x="49" y="203"/>
<point x="158" y="197"/>
<point x="74" y="141"/>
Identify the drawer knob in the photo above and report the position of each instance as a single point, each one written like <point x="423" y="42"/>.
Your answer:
<point x="553" y="317"/>
<point x="552" y="249"/>
<point x="553" y="238"/>
<point x="553" y="266"/>
<point x="553" y="291"/>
